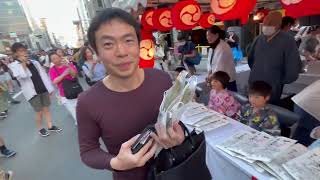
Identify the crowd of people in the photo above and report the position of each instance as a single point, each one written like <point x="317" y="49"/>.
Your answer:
<point x="39" y="77"/>
<point x="109" y="64"/>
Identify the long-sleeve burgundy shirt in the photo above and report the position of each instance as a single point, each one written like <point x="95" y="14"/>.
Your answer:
<point x="116" y="117"/>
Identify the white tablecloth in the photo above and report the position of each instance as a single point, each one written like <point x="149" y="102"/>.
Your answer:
<point x="223" y="166"/>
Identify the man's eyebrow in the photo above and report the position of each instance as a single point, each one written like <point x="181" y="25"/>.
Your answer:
<point x="107" y="37"/>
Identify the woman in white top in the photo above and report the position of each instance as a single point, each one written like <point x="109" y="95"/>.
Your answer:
<point x="220" y="56"/>
<point x="93" y="69"/>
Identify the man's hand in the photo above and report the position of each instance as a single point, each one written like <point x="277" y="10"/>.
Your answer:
<point x="168" y="138"/>
<point x="125" y="160"/>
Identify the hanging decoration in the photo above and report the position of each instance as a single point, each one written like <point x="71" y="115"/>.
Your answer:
<point x="146" y="20"/>
<point x="207" y="20"/>
<point x="186" y="14"/>
<point x="162" y="19"/>
<point x="233" y="9"/>
<point x="299" y="8"/>
<point x="147" y="50"/>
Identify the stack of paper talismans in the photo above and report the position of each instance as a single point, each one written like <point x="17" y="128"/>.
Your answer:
<point x="200" y="117"/>
<point x="279" y="156"/>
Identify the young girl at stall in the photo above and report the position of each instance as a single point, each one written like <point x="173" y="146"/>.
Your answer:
<point x="221" y="100"/>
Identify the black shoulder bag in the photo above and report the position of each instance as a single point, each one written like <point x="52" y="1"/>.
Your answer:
<point x="88" y="80"/>
<point x="184" y="162"/>
<point x="71" y="88"/>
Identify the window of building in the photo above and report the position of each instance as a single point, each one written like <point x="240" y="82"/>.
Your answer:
<point x="100" y="3"/>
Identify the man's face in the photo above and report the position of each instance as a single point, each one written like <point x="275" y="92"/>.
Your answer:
<point x="21" y="54"/>
<point x="118" y="48"/>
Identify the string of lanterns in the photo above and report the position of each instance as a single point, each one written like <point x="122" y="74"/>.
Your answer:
<point x="186" y="15"/>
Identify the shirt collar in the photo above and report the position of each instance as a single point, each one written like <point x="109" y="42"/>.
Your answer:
<point x="274" y="35"/>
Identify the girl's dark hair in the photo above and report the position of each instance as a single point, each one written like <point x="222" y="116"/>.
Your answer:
<point x="260" y="88"/>
<point x="217" y="30"/>
<point x="222" y="77"/>
<point x="107" y="15"/>
<point x="83" y="52"/>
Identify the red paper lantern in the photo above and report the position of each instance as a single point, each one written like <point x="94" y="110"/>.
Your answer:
<point x="207" y="20"/>
<point x="147" y="50"/>
<point x="299" y="8"/>
<point x="232" y="9"/>
<point x="186" y="14"/>
<point x="162" y="19"/>
<point x="146" y="20"/>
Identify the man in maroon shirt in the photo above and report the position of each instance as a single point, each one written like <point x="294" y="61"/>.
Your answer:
<point x="124" y="103"/>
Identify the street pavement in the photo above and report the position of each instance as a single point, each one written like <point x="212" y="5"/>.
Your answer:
<point x="55" y="157"/>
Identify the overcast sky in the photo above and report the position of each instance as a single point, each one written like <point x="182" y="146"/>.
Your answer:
<point x="59" y="14"/>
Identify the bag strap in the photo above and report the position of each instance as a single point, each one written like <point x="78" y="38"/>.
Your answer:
<point x="84" y="64"/>
<point x="190" y="138"/>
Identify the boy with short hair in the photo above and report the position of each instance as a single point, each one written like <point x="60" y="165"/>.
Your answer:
<point x="257" y="114"/>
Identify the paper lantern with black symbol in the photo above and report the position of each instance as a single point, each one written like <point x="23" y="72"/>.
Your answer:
<point x="300" y="8"/>
<point x="147" y="50"/>
<point x="226" y="10"/>
<point x="207" y="20"/>
<point x="162" y="20"/>
<point x="146" y="20"/>
<point x="186" y="14"/>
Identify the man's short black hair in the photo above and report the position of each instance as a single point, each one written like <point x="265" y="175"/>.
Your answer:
<point x="15" y="46"/>
<point x="260" y="88"/>
<point x="222" y="77"/>
<point x="106" y="16"/>
<point x="287" y="20"/>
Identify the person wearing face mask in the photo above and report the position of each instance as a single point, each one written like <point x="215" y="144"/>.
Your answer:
<point x="274" y="57"/>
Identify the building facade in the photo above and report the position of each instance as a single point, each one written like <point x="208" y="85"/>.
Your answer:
<point x="14" y="25"/>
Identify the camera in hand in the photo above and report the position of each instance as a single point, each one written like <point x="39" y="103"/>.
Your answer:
<point x="143" y="139"/>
